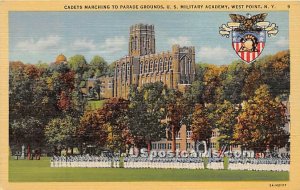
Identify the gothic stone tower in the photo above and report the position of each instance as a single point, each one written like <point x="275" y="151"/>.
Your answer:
<point x="175" y="68"/>
<point x="141" y="40"/>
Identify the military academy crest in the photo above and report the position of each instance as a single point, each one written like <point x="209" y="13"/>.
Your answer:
<point x="248" y="34"/>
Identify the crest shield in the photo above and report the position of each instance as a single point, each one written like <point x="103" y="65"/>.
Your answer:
<point x="248" y="45"/>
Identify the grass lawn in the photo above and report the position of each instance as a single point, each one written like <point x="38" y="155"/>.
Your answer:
<point x="40" y="171"/>
<point x="95" y="104"/>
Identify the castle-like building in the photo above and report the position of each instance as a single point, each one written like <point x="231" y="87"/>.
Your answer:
<point x="175" y="68"/>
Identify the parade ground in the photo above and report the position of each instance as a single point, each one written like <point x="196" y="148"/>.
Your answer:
<point x="40" y="171"/>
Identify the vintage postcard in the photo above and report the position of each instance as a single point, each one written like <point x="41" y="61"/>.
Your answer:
<point x="149" y="95"/>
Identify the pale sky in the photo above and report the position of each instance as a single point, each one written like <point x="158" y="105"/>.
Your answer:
<point x="41" y="36"/>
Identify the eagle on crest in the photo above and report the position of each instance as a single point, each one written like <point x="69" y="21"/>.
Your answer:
<point x="248" y="24"/>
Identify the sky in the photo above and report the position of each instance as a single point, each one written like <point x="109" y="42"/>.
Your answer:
<point x="41" y="36"/>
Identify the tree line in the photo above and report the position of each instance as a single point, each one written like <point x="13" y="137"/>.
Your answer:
<point x="244" y="101"/>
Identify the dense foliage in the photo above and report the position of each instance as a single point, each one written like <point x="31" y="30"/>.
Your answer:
<point x="47" y="107"/>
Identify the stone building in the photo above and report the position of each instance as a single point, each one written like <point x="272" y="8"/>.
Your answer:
<point x="106" y="87"/>
<point x="175" y="68"/>
<point x="183" y="141"/>
<point x="105" y="83"/>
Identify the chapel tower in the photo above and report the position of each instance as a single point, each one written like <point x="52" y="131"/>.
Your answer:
<point x="141" y="40"/>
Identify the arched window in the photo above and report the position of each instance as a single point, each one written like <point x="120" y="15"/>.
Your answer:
<point x="170" y="63"/>
<point x="156" y="65"/>
<point x="128" y="70"/>
<point x="143" y="42"/>
<point x="123" y="71"/>
<point x="132" y="43"/>
<point x="166" y="64"/>
<point x="161" y="65"/>
<point x="151" y="66"/>
<point x="135" y="43"/>
<point x="141" y="67"/>
<point x="118" y="70"/>
<point x="185" y="65"/>
<point x="190" y="67"/>
<point x="146" y="67"/>
<point x="147" y="43"/>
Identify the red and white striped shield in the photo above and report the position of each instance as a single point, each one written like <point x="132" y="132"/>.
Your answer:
<point x="248" y="45"/>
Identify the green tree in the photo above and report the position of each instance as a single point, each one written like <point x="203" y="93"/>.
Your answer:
<point x="78" y="64"/>
<point x="234" y="81"/>
<point x="225" y="120"/>
<point x="194" y="94"/>
<point x="111" y="69"/>
<point x="276" y="73"/>
<point x="29" y="99"/>
<point x="28" y="131"/>
<point x="61" y="133"/>
<point x="146" y="112"/>
<point x="98" y="67"/>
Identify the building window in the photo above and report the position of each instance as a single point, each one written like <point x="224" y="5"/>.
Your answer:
<point x="132" y="43"/>
<point x="153" y="145"/>
<point x="128" y="70"/>
<point x="161" y="65"/>
<point x="146" y="67"/>
<point x="214" y="134"/>
<point x="123" y="71"/>
<point x="169" y="146"/>
<point x="147" y="43"/>
<point x="141" y="68"/>
<point x="186" y="66"/>
<point x="135" y="43"/>
<point x="177" y="145"/>
<point x="182" y="66"/>
<point x="170" y="63"/>
<point x="166" y="64"/>
<point x="235" y="146"/>
<point x="213" y="145"/>
<point x="188" y="134"/>
<point x="178" y="135"/>
<point x="156" y="65"/>
<point x="190" y="67"/>
<point x="188" y="145"/>
<point x="162" y="146"/>
<point x="118" y="70"/>
<point x="151" y="66"/>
